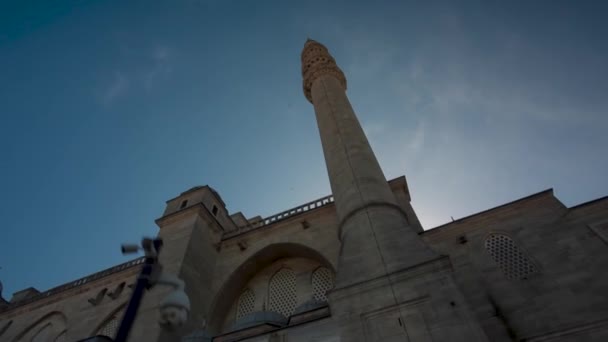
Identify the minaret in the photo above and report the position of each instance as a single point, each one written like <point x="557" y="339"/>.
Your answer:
<point x="374" y="230"/>
<point x="390" y="286"/>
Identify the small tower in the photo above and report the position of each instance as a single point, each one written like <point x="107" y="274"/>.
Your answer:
<point x="191" y="228"/>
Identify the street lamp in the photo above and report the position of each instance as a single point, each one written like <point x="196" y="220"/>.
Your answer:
<point x="174" y="308"/>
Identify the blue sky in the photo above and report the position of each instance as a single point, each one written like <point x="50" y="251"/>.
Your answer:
<point x="109" y="108"/>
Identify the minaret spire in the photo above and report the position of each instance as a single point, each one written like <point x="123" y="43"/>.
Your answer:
<point x="374" y="230"/>
<point x="383" y="265"/>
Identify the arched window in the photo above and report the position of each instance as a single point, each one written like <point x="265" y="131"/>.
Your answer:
<point x="110" y="327"/>
<point x="512" y="260"/>
<point x="282" y="296"/>
<point x="322" y="281"/>
<point x="245" y="304"/>
<point x="45" y="329"/>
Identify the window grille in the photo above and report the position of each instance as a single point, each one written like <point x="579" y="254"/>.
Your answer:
<point x="110" y="327"/>
<point x="245" y="304"/>
<point x="322" y="281"/>
<point x="512" y="261"/>
<point x="282" y="292"/>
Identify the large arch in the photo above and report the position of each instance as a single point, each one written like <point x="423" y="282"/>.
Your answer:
<point x="56" y="321"/>
<point x="230" y="289"/>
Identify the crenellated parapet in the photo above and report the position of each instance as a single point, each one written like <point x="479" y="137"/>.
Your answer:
<point x="317" y="62"/>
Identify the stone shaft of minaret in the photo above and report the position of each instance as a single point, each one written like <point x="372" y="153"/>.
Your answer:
<point x="374" y="231"/>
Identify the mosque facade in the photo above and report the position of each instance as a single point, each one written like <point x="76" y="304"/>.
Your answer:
<point x="352" y="266"/>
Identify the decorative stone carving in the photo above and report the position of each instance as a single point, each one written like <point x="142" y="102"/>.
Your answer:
<point x="117" y="291"/>
<point x="98" y="298"/>
<point x="317" y="62"/>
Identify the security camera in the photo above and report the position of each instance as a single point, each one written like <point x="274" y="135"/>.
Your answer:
<point x="128" y="248"/>
<point x="174" y="310"/>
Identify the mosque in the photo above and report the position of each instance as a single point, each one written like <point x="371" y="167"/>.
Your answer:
<point x="352" y="266"/>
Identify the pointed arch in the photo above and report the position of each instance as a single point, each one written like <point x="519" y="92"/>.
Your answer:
<point x="54" y="321"/>
<point x="232" y="286"/>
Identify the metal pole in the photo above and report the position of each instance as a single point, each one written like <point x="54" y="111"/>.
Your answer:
<point x="143" y="283"/>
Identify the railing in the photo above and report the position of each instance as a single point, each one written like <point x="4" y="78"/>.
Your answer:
<point x="297" y="210"/>
<point x="321" y="202"/>
<point x="77" y="282"/>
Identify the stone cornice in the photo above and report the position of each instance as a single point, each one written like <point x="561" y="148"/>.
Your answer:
<point x="581" y="329"/>
<point x="462" y="225"/>
<point x="597" y="201"/>
<point x="433" y="266"/>
<point x="364" y="207"/>
<point x="283" y="216"/>
<point x="196" y="188"/>
<point x="69" y="289"/>
<point x="200" y="210"/>
<point x="326" y="201"/>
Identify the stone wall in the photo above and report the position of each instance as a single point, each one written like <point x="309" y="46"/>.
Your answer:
<point x="565" y="295"/>
<point x="561" y="299"/>
<point x="69" y="314"/>
<point x="544" y="282"/>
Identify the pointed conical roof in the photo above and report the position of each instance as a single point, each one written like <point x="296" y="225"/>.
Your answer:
<point x="311" y="41"/>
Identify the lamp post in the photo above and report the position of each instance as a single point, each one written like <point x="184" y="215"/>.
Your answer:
<point x="174" y="308"/>
<point x="145" y="281"/>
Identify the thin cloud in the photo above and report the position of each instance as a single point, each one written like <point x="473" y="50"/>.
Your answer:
<point x="473" y="122"/>
<point x="416" y="143"/>
<point x="161" y="65"/>
<point x="153" y="66"/>
<point x="116" y="89"/>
